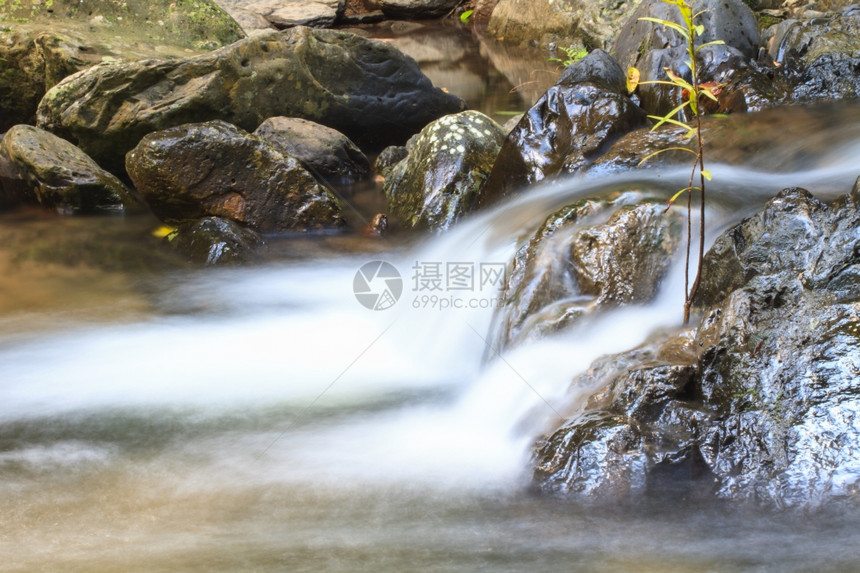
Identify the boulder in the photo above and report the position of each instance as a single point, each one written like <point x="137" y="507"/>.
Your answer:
<point x="326" y="153"/>
<point x="216" y="241"/>
<point x="574" y="266"/>
<point x="594" y="22"/>
<point x="52" y="40"/>
<point x="653" y="47"/>
<point x="215" y="169"/>
<point x="821" y="54"/>
<point x="441" y="177"/>
<point x="567" y="129"/>
<point x="759" y="402"/>
<point x="32" y="61"/>
<point x="412" y="9"/>
<point x="363" y="88"/>
<point x="39" y="168"/>
<point x="289" y="13"/>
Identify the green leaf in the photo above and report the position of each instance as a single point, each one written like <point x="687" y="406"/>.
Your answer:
<point x="667" y="118"/>
<point x="706" y="174"/>
<point x="681" y="192"/>
<point x="464" y="17"/>
<point x="699" y="29"/>
<point x="713" y="43"/>
<point x="708" y="94"/>
<point x="658" y="152"/>
<point x="677" y="27"/>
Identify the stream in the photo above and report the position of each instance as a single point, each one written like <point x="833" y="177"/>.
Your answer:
<point x="156" y="417"/>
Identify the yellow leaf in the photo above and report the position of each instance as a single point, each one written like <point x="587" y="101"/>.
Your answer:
<point x="706" y="174"/>
<point x="163" y="231"/>
<point x="632" y="79"/>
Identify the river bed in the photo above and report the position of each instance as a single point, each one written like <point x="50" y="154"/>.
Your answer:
<point x="161" y="417"/>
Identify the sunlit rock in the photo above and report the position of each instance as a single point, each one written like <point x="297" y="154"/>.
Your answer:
<point x="43" y="169"/>
<point x="444" y="170"/>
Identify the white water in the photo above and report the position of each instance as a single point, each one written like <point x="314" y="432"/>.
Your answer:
<point x="279" y="394"/>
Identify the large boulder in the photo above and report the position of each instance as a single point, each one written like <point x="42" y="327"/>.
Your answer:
<point x="652" y="47"/>
<point x="573" y="266"/>
<point x="759" y="402"/>
<point x="444" y="170"/>
<point x="39" y="168"/>
<point x="51" y="40"/>
<point x="326" y="153"/>
<point x="363" y="88"/>
<point x="567" y="129"/>
<point x="215" y="169"/>
<point x="595" y="22"/>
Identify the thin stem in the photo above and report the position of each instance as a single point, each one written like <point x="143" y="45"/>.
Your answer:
<point x="689" y="294"/>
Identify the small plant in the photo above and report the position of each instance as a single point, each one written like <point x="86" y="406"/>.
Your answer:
<point x="692" y="93"/>
<point x="573" y="55"/>
<point x="466" y="16"/>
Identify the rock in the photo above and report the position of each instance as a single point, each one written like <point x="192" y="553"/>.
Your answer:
<point x="216" y="241"/>
<point x="215" y="169"/>
<point x="289" y="13"/>
<point x="201" y="24"/>
<point x="446" y="55"/>
<point x="635" y="434"/>
<point x="42" y="169"/>
<point x="651" y="47"/>
<point x="52" y="40"/>
<point x="32" y="61"/>
<point x="326" y="153"/>
<point x="823" y="53"/>
<point x="446" y="164"/>
<point x="594" y="22"/>
<point x="567" y="129"/>
<point x="761" y="401"/>
<point x="389" y="157"/>
<point x="762" y="140"/>
<point x="571" y="268"/>
<point x="483" y="10"/>
<point x="409" y="9"/>
<point x="363" y="88"/>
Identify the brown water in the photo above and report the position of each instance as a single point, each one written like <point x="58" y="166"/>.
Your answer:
<point x="160" y="417"/>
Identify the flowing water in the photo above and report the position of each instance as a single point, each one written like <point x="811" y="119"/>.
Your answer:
<point x="161" y="418"/>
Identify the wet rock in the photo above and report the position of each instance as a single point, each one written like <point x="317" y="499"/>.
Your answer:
<point x="567" y="129"/>
<point x="409" y="9"/>
<point x="326" y="153"/>
<point x="215" y="169"/>
<point x="559" y="21"/>
<point x="763" y="401"/>
<point x="446" y="165"/>
<point x="821" y="55"/>
<point x="652" y="47"/>
<point x="389" y="157"/>
<point x="289" y="13"/>
<point x="39" y="168"/>
<point x="762" y="140"/>
<point x="635" y="434"/>
<point x="577" y="264"/>
<point x="216" y="241"/>
<point x="32" y="61"/>
<point x="364" y="89"/>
